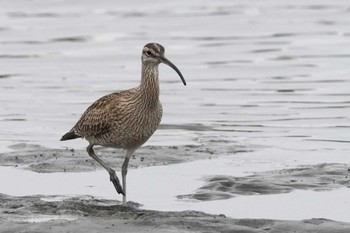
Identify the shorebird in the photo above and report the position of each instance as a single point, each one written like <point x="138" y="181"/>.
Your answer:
<point x="125" y="119"/>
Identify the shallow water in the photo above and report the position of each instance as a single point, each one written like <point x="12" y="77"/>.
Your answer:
<point x="272" y="76"/>
<point x="157" y="187"/>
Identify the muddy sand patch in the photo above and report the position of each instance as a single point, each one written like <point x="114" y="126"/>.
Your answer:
<point x="86" y="214"/>
<point x="40" y="159"/>
<point x="318" y="177"/>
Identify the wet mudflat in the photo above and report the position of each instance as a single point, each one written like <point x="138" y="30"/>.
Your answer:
<point x="33" y="208"/>
<point x="32" y="214"/>
<point x="320" y="177"/>
<point x="260" y="132"/>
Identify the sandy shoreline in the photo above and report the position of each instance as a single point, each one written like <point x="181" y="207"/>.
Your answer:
<point x="38" y="213"/>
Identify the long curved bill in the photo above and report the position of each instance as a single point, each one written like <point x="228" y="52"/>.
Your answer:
<point x="169" y="63"/>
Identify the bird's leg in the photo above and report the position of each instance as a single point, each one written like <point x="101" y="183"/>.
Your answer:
<point x="113" y="177"/>
<point x="124" y="172"/>
<point x="128" y="155"/>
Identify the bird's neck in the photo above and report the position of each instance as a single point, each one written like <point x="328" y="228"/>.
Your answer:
<point x="149" y="86"/>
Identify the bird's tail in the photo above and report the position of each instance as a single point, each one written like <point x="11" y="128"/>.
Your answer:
<point x="70" y="135"/>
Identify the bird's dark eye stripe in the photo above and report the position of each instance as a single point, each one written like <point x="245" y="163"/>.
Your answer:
<point x="148" y="53"/>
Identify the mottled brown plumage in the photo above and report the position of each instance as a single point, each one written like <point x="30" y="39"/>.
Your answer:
<point x="125" y="119"/>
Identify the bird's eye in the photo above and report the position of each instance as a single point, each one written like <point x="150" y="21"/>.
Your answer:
<point x="148" y="53"/>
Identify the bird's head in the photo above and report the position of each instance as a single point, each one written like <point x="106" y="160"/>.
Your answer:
<point x="153" y="54"/>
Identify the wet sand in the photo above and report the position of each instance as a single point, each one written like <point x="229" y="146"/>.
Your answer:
<point x="40" y="159"/>
<point x="38" y="213"/>
<point x="86" y="214"/>
<point x="320" y="177"/>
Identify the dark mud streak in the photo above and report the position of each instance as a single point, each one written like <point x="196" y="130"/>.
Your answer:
<point x="20" y="14"/>
<point x="19" y="56"/>
<point x="327" y="140"/>
<point x="4" y="76"/>
<point x="313" y="177"/>
<point x="71" y="39"/>
<point x="28" y="42"/>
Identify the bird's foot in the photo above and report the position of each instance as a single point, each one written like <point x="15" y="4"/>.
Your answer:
<point x="114" y="179"/>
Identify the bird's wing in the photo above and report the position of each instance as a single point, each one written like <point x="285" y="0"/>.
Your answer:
<point x="96" y="120"/>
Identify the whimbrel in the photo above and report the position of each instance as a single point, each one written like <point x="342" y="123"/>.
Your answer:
<point x="125" y="119"/>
